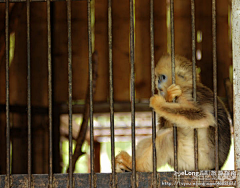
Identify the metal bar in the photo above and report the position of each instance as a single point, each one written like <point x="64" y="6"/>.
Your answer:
<point x="153" y="91"/>
<point x="21" y="109"/>
<point x="103" y="180"/>
<point x="29" y="95"/>
<point x="132" y="85"/>
<point x="50" y="94"/>
<point x="236" y="85"/>
<point x="7" y="93"/>
<point x="113" y="180"/>
<point x="215" y="80"/>
<point x="194" y="78"/>
<point x="69" y="26"/>
<point x="21" y="1"/>
<point x="92" y="182"/>
<point x="173" y="78"/>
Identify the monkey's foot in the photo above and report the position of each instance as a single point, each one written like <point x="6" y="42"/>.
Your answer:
<point x="123" y="162"/>
<point x="172" y="92"/>
<point x="156" y="100"/>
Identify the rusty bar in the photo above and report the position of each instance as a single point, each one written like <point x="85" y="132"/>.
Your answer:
<point x="194" y="78"/>
<point x="21" y="1"/>
<point x="7" y="94"/>
<point x="92" y="182"/>
<point x="50" y="94"/>
<point x="132" y="85"/>
<point x="103" y="180"/>
<point x="153" y="91"/>
<point x="113" y="180"/>
<point x="173" y="78"/>
<point x="236" y="85"/>
<point x="69" y="26"/>
<point x="29" y="95"/>
<point x="215" y="80"/>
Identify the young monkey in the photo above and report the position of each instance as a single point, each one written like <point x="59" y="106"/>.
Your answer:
<point x="186" y="115"/>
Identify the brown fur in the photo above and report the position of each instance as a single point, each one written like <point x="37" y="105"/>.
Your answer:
<point x="186" y="115"/>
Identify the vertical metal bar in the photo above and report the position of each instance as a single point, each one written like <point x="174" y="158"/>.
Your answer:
<point x="92" y="183"/>
<point x="215" y="80"/>
<point x="7" y="93"/>
<point x="69" y="26"/>
<point x="50" y="94"/>
<point x="236" y="84"/>
<point x="173" y="77"/>
<point x="194" y="79"/>
<point x="29" y="95"/>
<point x="153" y="91"/>
<point x="132" y="60"/>
<point x="111" y="91"/>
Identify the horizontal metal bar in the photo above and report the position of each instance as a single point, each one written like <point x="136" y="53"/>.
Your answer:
<point x="22" y="109"/>
<point x="165" y="179"/>
<point x="15" y="1"/>
<point x="101" y="107"/>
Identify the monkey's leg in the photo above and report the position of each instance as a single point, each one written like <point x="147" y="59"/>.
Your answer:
<point x="144" y="157"/>
<point x="183" y="115"/>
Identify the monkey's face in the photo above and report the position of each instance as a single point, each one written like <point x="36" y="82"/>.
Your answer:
<point x="163" y="73"/>
<point x="162" y="83"/>
<point x="163" y="78"/>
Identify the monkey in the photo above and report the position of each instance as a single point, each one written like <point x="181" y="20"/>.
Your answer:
<point x="186" y="114"/>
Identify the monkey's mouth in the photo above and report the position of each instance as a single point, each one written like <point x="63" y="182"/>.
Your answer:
<point x="161" y="92"/>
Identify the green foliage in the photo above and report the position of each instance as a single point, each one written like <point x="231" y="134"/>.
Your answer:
<point x="82" y="162"/>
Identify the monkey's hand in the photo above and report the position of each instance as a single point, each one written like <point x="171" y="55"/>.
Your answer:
<point x="172" y="92"/>
<point x="123" y="162"/>
<point x="157" y="101"/>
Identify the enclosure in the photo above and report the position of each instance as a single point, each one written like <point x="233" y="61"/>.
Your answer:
<point x="60" y="59"/>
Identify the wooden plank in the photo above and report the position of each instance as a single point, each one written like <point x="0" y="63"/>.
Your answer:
<point x="204" y="24"/>
<point x="79" y="51"/>
<point x="143" y="58"/>
<point x="39" y="88"/>
<point x="121" y="62"/>
<point x="160" y="29"/>
<point x="224" y="50"/>
<point x="101" y="46"/>
<point x="182" y="21"/>
<point x="3" y="143"/>
<point x="18" y="95"/>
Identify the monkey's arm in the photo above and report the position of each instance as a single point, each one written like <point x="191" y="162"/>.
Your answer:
<point x="182" y="114"/>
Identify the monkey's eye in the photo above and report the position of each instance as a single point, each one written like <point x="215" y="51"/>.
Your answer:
<point x="162" y="78"/>
<point x="181" y="76"/>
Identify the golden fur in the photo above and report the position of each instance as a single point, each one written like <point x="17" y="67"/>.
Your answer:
<point x="186" y="115"/>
